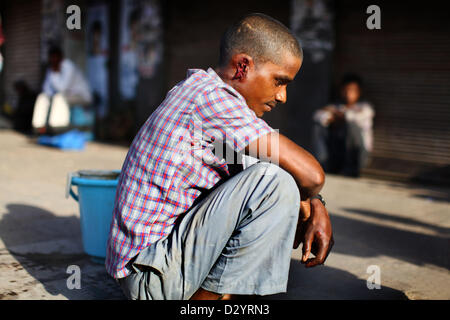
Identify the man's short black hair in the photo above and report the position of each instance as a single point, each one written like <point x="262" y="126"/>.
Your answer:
<point x="261" y="37"/>
<point x="55" y="50"/>
<point x="96" y="26"/>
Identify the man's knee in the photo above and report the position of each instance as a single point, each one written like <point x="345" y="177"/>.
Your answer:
<point x="288" y="187"/>
<point x="285" y="184"/>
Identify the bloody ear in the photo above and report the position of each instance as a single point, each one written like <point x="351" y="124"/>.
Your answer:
<point x="241" y="70"/>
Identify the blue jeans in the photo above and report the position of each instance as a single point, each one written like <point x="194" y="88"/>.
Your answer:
<point x="237" y="240"/>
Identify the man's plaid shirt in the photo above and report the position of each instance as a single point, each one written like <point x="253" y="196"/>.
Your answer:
<point x="171" y="160"/>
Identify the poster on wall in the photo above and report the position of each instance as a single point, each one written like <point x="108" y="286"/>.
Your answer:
<point x="97" y="46"/>
<point x="311" y="22"/>
<point x="141" y="45"/>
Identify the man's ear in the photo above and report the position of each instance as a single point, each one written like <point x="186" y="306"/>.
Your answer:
<point x="242" y="64"/>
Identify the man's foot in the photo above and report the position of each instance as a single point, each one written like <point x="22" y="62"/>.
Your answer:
<point x="203" y="294"/>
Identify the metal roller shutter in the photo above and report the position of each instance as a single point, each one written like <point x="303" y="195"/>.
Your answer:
<point x="22" y="26"/>
<point x="406" y="69"/>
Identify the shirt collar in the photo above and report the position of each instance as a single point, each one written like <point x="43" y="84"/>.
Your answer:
<point x="218" y="79"/>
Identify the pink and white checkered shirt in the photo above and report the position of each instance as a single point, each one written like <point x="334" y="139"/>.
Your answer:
<point x="171" y="160"/>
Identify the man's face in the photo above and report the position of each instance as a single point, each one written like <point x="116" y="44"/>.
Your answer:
<point x="54" y="61"/>
<point x="266" y="84"/>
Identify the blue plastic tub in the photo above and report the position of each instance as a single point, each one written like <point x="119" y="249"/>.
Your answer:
<point x="96" y="193"/>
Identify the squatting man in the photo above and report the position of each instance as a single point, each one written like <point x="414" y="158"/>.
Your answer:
<point x="184" y="226"/>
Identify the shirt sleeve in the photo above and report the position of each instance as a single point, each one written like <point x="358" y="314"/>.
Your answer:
<point x="363" y="117"/>
<point x="322" y="117"/>
<point x="223" y="115"/>
<point x="62" y="81"/>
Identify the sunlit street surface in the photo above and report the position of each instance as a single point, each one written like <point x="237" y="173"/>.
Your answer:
<point x="391" y="233"/>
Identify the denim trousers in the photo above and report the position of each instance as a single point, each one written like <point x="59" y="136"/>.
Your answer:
<point x="236" y="240"/>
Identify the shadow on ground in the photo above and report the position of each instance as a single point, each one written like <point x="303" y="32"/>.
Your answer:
<point x="431" y="192"/>
<point x="323" y="282"/>
<point x="365" y="239"/>
<point x="45" y="245"/>
<point x="407" y="221"/>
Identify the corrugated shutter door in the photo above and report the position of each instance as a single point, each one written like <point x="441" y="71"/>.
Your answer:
<point x="406" y="68"/>
<point x="22" y="27"/>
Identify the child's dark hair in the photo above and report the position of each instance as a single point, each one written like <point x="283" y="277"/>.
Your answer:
<point x="351" y="78"/>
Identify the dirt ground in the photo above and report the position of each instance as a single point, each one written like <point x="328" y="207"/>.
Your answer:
<point x="401" y="230"/>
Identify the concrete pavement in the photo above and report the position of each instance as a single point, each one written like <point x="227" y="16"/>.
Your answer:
<point x="402" y="230"/>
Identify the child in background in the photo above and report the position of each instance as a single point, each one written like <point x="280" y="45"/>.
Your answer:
<point x="343" y="134"/>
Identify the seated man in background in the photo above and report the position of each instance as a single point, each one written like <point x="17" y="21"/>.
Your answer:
<point x="64" y="86"/>
<point x="343" y="131"/>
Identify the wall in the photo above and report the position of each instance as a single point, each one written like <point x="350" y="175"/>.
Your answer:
<point x="406" y="69"/>
<point x="21" y="26"/>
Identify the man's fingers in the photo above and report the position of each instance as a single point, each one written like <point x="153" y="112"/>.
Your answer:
<point x="296" y="243"/>
<point x="323" y="249"/>
<point x="307" y="242"/>
<point x="319" y="257"/>
<point x="312" y="262"/>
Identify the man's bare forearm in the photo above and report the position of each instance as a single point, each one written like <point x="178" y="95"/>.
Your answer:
<point x="305" y="169"/>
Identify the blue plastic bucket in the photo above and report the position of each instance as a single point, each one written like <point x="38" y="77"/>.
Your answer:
<point x="96" y="193"/>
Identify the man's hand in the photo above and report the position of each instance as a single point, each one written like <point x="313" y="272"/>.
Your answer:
<point x="304" y="214"/>
<point x="305" y="210"/>
<point x="334" y="115"/>
<point x="316" y="235"/>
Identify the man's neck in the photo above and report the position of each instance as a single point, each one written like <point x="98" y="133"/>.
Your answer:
<point x="225" y="75"/>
